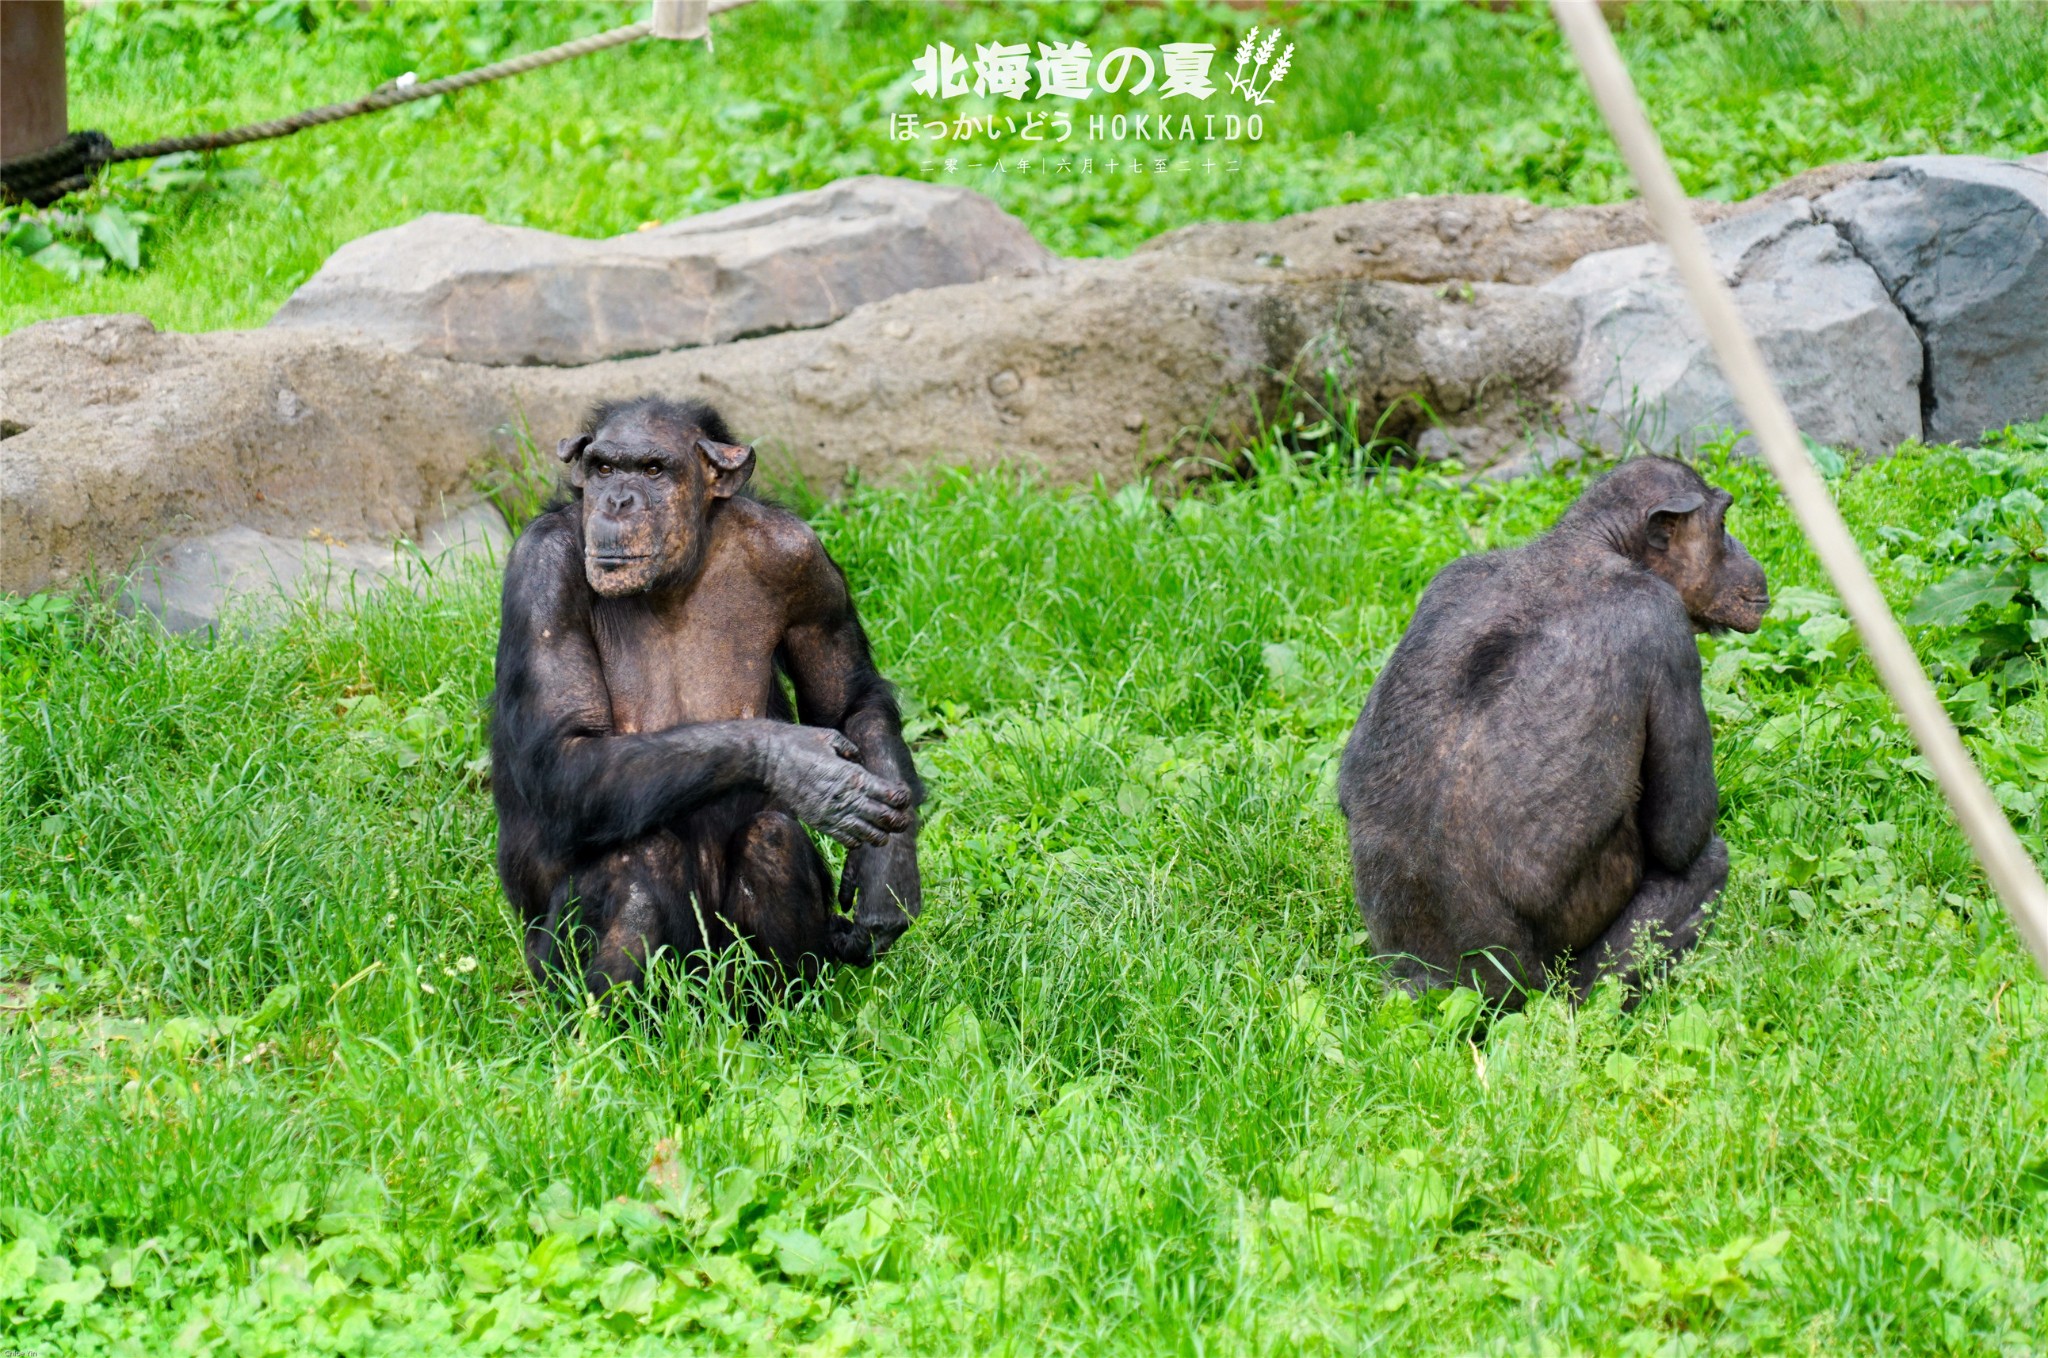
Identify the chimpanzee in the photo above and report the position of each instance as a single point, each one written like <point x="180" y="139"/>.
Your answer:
<point x="1531" y="784"/>
<point x="651" y="786"/>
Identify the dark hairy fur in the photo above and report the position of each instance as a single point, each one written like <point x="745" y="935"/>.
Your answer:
<point x="653" y="778"/>
<point x="1530" y="787"/>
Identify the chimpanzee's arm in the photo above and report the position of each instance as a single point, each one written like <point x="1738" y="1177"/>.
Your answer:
<point x="837" y="685"/>
<point x="591" y="787"/>
<point x="1675" y="815"/>
<point x="826" y="654"/>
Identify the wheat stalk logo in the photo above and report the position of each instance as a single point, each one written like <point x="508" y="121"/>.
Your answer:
<point x="1256" y="54"/>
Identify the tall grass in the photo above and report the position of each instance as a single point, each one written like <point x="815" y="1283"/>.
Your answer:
<point x="274" y="1079"/>
<point x="1382" y="100"/>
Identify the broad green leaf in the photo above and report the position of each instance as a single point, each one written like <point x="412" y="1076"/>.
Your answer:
<point x="1831" y="463"/>
<point x="280" y="1206"/>
<point x="802" y="1255"/>
<point x="1460" y="1007"/>
<point x="77" y="1290"/>
<point x="1948" y="601"/>
<point x="1797" y="601"/>
<point x="628" y="1288"/>
<point x="960" y="1033"/>
<point x="1133" y="801"/>
<point x="275" y="1005"/>
<point x="28" y="236"/>
<point x="355" y="1200"/>
<point x="1640" y="1267"/>
<point x="25" y="1224"/>
<point x="17" y="1269"/>
<point x="1283" y="665"/>
<point x="555" y="1261"/>
<point x="119" y="1263"/>
<point x="60" y="258"/>
<point x="1770" y="1247"/>
<point x="1621" y="1068"/>
<point x="863" y="1231"/>
<point x="1598" y="1160"/>
<point x="1523" y="1277"/>
<point x="365" y="1256"/>
<point x="1830" y="633"/>
<point x="117" y="235"/>
<point x="1691" y="1030"/>
<point x="481" y="1270"/>
<point x="833" y="1082"/>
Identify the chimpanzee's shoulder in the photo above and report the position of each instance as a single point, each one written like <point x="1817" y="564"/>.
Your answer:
<point x="551" y="535"/>
<point x="546" y="561"/>
<point x="780" y="545"/>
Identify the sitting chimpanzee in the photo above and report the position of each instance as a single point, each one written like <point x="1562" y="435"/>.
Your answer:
<point x="1531" y="784"/>
<point x="651" y="786"/>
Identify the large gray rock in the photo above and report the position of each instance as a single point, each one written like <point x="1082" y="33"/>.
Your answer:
<point x="1476" y="238"/>
<point x="463" y="288"/>
<point x="241" y="575"/>
<point x="119" y="435"/>
<point x="212" y="460"/>
<point x="1843" y="355"/>
<point x="1962" y="244"/>
<point x="132" y="440"/>
<point x="1105" y="368"/>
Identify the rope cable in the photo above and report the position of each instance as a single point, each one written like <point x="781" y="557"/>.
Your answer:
<point x="2014" y="876"/>
<point x="44" y="176"/>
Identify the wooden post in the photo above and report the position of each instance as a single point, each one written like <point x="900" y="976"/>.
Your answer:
<point x="32" y="114"/>
<point x="683" y="20"/>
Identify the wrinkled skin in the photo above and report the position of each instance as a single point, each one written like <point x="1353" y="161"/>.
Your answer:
<point x="1530" y="788"/>
<point x="651" y="786"/>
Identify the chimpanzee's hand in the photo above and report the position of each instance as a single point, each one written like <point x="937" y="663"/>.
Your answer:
<point x="811" y="771"/>
<point x="880" y="885"/>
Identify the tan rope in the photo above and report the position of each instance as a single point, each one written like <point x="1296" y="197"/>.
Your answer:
<point x="2006" y="862"/>
<point x="388" y="97"/>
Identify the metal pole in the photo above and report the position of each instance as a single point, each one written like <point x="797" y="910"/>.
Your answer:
<point x="2006" y="861"/>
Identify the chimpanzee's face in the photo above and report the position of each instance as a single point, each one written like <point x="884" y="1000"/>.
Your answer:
<point x="648" y="492"/>
<point x="1721" y="583"/>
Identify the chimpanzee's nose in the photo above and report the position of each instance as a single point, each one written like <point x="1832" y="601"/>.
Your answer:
<point x="619" y="502"/>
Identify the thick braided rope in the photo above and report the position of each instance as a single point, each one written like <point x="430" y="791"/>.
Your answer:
<point x="388" y="97"/>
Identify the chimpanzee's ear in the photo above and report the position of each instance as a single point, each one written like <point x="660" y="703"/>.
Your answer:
<point x="570" y="451"/>
<point x="1666" y="515"/>
<point x="730" y="465"/>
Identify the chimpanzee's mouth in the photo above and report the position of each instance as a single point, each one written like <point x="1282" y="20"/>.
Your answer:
<point x="609" y="561"/>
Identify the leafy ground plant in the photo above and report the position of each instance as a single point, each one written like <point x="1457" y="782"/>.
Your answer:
<point x="274" y="1080"/>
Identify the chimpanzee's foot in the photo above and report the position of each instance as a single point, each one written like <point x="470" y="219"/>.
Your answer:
<point x="780" y="899"/>
<point x="1660" y="924"/>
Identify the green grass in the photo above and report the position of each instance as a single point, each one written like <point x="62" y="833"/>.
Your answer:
<point x="274" y="1081"/>
<point x="1432" y="98"/>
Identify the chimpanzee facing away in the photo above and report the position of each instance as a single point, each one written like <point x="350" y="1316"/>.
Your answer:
<point x="1532" y="779"/>
<point x="651" y="786"/>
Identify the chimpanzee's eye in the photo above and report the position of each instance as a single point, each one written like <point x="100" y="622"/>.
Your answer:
<point x="654" y="469"/>
<point x="604" y="469"/>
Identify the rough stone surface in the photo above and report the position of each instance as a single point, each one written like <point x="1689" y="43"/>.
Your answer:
<point x="1846" y="359"/>
<point x="1471" y="238"/>
<point x="463" y="288"/>
<point x="212" y="460"/>
<point x="1961" y="242"/>
<point x="127" y="435"/>
<point x="1109" y="367"/>
<point x="240" y="574"/>
<point x="1106" y="367"/>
